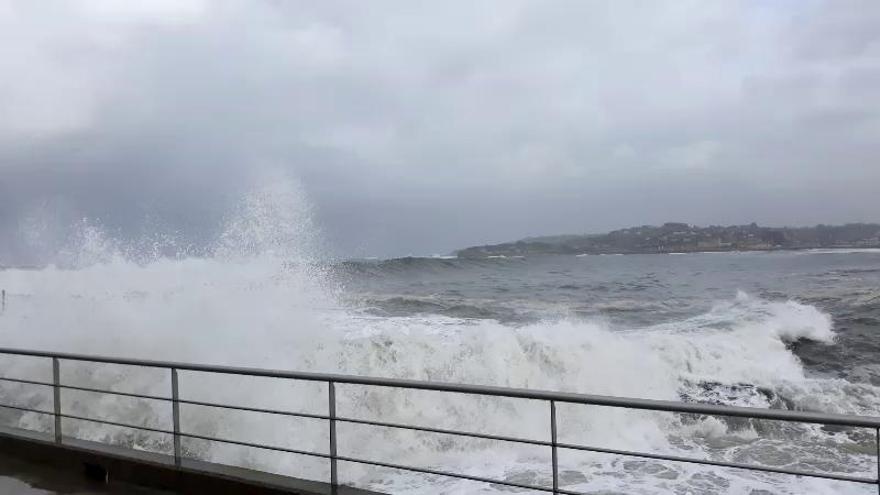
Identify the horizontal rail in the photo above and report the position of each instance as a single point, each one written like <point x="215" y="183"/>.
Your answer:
<point x="158" y="430"/>
<point x="84" y="389"/>
<point x="443" y="431"/>
<point x="707" y="462"/>
<point x="366" y="462"/>
<point x="26" y="382"/>
<point x="566" y="397"/>
<point x="114" y="423"/>
<point x="254" y="409"/>
<point x="255" y="445"/>
<point x="25" y="409"/>
<point x="113" y="392"/>
<point x="167" y="399"/>
<point x="444" y="473"/>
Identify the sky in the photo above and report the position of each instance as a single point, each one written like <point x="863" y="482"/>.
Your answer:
<point x="416" y="128"/>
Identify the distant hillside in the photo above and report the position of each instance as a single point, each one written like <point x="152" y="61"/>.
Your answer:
<point x="684" y="238"/>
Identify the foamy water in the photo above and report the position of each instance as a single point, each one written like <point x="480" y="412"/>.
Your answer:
<point x="262" y="298"/>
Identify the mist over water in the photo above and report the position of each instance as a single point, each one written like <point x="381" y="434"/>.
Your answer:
<point x="782" y="330"/>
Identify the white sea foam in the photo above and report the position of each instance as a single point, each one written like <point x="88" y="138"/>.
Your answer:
<point x="841" y="251"/>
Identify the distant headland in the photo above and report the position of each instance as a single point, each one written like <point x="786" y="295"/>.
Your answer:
<point x="676" y="237"/>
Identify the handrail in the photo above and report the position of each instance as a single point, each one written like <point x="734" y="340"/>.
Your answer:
<point x="553" y="398"/>
<point x="515" y="393"/>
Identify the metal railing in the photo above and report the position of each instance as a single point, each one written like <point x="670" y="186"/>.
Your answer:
<point x="333" y="456"/>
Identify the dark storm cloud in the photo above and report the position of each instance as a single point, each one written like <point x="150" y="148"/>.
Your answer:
<point x="422" y="128"/>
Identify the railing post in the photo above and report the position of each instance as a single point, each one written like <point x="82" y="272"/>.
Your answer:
<point x="877" y="439"/>
<point x="56" y="397"/>
<point x="555" y="455"/>
<point x="175" y="415"/>
<point x="331" y="391"/>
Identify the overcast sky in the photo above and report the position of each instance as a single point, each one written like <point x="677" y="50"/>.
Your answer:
<point x="421" y="127"/>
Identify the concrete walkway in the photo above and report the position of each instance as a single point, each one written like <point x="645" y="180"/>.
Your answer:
<point x="27" y="478"/>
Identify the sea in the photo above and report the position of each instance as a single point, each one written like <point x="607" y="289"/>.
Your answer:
<point x="795" y="330"/>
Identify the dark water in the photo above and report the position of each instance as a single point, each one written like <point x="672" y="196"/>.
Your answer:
<point x="642" y="290"/>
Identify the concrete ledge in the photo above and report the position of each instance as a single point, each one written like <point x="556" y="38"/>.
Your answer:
<point x="156" y="470"/>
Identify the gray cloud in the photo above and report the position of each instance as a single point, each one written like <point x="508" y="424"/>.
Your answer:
<point x="422" y="128"/>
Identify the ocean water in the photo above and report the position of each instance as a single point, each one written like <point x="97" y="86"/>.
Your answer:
<point x="789" y="330"/>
